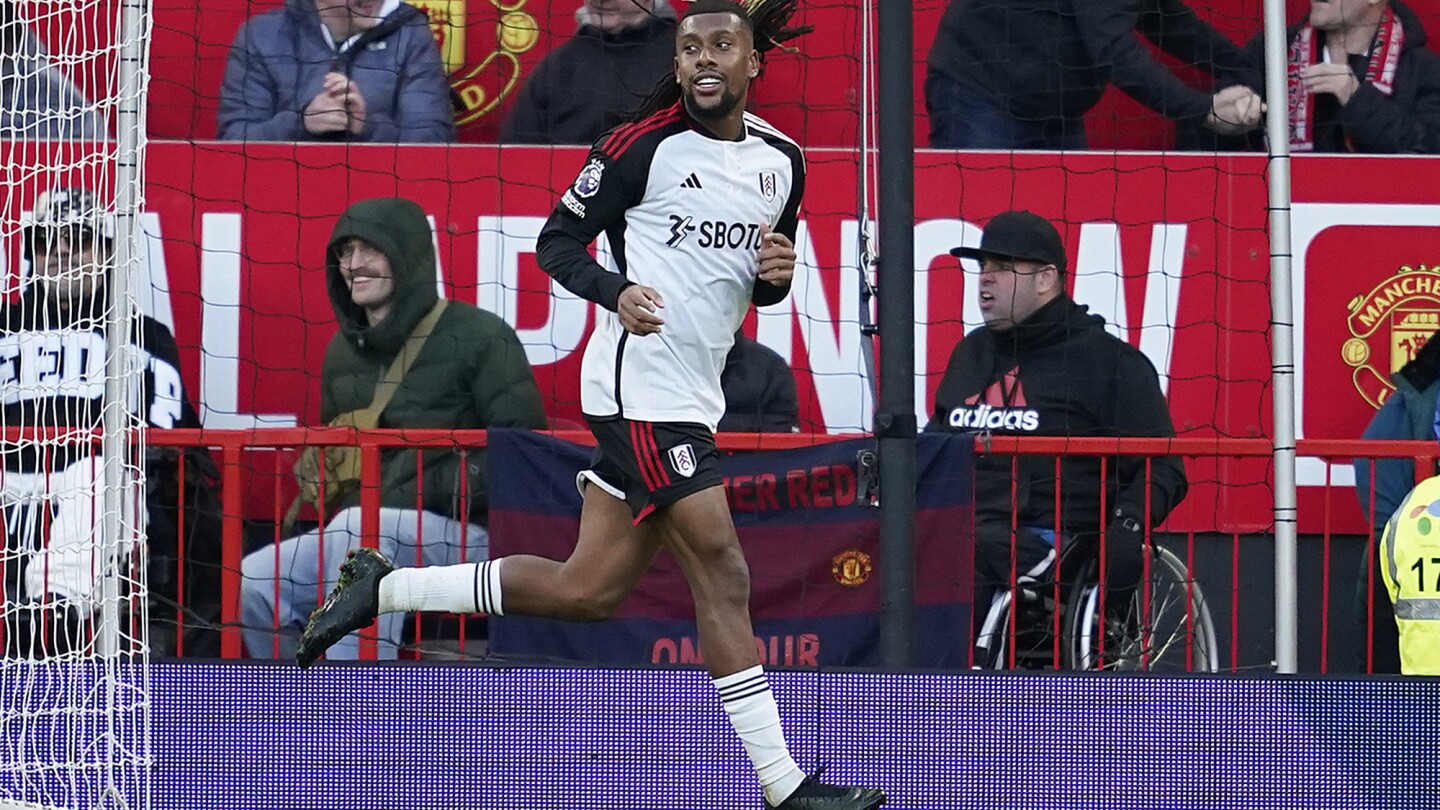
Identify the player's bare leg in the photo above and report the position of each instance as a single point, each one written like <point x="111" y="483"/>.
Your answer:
<point x="698" y="531"/>
<point x="610" y="556"/>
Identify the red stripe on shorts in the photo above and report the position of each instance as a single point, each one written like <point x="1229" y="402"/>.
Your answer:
<point x="637" y="443"/>
<point x="644" y="513"/>
<point x="659" y="463"/>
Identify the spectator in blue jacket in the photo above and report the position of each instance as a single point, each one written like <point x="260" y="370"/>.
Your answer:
<point x="336" y="70"/>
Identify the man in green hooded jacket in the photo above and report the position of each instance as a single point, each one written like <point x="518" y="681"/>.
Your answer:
<point x="470" y="373"/>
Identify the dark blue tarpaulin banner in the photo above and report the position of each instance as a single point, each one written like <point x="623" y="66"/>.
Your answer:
<point x="812" y="543"/>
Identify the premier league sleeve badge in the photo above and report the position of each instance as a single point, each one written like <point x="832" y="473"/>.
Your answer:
<point x="589" y="180"/>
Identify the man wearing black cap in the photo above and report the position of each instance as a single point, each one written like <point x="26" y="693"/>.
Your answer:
<point x="1042" y="365"/>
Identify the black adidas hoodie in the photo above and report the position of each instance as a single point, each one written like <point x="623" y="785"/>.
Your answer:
<point x="1059" y="374"/>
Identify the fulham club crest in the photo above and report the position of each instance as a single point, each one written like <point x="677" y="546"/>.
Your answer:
<point x="682" y="458"/>
<point x="767" y="185"/>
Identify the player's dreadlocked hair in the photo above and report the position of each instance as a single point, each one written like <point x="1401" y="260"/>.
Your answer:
<point x="768" y="23"/>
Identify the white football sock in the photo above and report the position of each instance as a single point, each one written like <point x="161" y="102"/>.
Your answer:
<point x="756" y="718"/>
<point x="440" y="588"/>
<point x="487" y="588"/>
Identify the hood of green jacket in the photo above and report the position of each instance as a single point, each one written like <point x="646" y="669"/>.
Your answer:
<point x="396" y="227"/>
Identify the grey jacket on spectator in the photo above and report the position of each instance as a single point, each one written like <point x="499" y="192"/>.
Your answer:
<point x="278" y="63"/>
<point x="37" y="101"/>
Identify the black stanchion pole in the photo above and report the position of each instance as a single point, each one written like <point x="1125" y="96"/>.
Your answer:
<point x="895" y="417"/>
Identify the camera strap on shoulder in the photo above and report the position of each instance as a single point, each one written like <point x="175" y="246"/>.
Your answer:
<point x="335" y="459"/>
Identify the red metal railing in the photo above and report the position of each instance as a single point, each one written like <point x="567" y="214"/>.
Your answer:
<point x="230" y="446"/>
<point x="1319" y="527"/>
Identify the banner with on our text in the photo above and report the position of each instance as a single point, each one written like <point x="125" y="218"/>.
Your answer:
<point x="810" y="536"/>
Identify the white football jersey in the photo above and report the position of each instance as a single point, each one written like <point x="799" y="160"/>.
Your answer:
<point x="683" y="211"/>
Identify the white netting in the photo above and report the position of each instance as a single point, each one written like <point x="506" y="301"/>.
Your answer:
<point x="77" y="385"/>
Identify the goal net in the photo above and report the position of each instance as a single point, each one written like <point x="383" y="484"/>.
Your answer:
<point x="77" y="386"/>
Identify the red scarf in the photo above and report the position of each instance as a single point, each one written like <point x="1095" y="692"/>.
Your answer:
<point x="1305" y="51"/>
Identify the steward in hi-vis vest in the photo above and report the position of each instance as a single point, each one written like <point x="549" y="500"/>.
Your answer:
<point x="1410" y="563"/>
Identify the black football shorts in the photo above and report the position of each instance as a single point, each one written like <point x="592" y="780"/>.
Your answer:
<point x="651" y="464"/>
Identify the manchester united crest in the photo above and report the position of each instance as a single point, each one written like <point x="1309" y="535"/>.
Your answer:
<point x="484" y="74"/>
<point x="851" y="568"/>
<point x="1388" y="326"/>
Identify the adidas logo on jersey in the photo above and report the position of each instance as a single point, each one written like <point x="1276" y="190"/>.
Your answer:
<point x="693" y="181"/>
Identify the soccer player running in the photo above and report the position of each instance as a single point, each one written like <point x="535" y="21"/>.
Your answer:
<point x="700" y="202"/>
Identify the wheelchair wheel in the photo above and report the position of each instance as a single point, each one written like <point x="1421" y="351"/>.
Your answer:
<point x="1033" y="642"/>
<point x="1165" y="627"/>
<point x="993" y="647"/>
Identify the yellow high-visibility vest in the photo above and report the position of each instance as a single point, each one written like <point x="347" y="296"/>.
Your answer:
<point x="1410" y="563"/>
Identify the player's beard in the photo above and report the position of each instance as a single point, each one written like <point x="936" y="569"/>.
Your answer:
<point x="723" y="106"/>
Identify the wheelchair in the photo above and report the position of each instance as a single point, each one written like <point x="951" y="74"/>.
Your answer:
<point x="1165" y="626"/>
